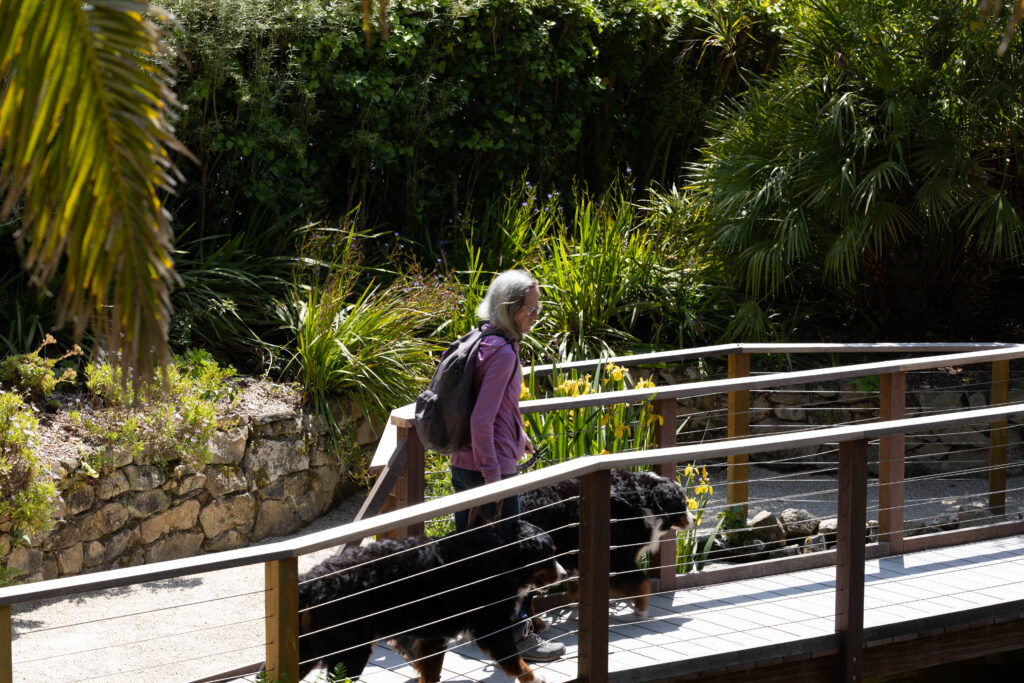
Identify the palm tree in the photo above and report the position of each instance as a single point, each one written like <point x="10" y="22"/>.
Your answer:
<point x="85" y="128"/>
<point x="879" y="170"/>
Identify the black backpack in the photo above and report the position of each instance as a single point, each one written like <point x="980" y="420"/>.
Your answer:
<point x="443" y="408"/>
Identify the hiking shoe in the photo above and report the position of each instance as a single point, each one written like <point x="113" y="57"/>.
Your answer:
<point x="533" y="648"/>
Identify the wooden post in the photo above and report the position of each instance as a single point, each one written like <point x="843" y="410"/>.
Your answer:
<point x="666" y="438"/>
<point x="853" y="483"/>
<point x="415" y="476"/>
<point x="6" y="634"/>
<point x="410" y="486"/>
<point x="997" y="440"/>
<point x="595" y="559"/>
<point x="737" y="493"/>
<point x="891" y="449"/>
<point x="282" y="618"/>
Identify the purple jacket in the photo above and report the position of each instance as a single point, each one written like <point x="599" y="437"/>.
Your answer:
<point x="496" y="426"/>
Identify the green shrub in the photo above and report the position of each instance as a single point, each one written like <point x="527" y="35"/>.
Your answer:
<point x="25" y="499"/>
<point x="878" y="172"/>
<point x="171" y="421"/>
<point x="289" y="110"/>
<point x="34" y="375"/>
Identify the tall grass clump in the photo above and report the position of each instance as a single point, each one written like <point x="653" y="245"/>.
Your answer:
<point x="605" y="274"/>
<point x="355" y="337"/>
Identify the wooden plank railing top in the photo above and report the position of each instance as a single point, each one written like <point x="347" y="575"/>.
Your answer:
<point x="677" y="355"/>
<point x="356" y="531"/>
<point x="404" y="415"/>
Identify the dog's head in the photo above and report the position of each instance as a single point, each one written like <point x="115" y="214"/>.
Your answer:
<point x="666" y="500"/>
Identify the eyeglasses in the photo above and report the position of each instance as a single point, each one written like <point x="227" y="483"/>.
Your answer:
<point x="533" y="310"/>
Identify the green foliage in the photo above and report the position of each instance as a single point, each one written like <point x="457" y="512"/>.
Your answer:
<point x="690" y="555"/>
<point x="290" y="110"/>
<point x="568" y="434"/>
<point x="172" y="421"/>
<point x="354" y="340"/>
<point x="25" y="498"/>
<point x="878" y="171"/>
<point x="33" y="375"/>
<point x="85" y="124"/>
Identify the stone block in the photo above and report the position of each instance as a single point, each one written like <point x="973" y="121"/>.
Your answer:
<point x="49" y="570"/>
<point x="229" y="446"/>
<point x="143" y="477"/>
<point x="223" y="514"/>
<point x="147" y="503"/>
<point x="25" y="561"/>
<point x="116" y="545"/>
<point x="114" y="485"/>
<point x="178" y="518"/>
<point x="766" y="528"/>
<point x="5" y="546"/>
<point x="175" y="547"/>
<point x="275" y="518"/>
<point x="229" y="540"/>
<point x="92" y="553"/>
<point x="70" y="560"/>
<point x="186" y="485"/>
<point x="79" y="497"/>
<point x="267" y="460"/>
<point x="939" y="400"/>
<point x="790" y="413"/>
<point x="278" y="424"/>
<point x="104" y="521"/>
<point x="62" y="535"/>
<point x="224" y="479"/>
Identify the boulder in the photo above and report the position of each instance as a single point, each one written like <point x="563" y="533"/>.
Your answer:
<point x="798" y="524"/>
<point x="230" y="513"/>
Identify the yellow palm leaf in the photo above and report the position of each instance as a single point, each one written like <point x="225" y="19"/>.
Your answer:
<point x="85" y="122"/>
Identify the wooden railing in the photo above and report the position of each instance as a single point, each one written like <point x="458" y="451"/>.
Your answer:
<point x="280" y="558"/>
<point x="399" y="456"/>
<point x="401" y="473"/>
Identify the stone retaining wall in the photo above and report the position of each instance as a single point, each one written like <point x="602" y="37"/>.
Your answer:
<point x="269" y="476"/>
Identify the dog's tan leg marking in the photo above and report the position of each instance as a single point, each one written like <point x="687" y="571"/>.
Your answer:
<point x="641" y="596"/>
<point x="429" y="658"/>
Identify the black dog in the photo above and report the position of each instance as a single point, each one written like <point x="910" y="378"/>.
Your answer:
<point x="427" y="591"/>
<point x="644" y="506"/>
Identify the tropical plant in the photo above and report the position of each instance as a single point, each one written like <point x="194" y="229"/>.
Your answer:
<point x="355" y="338"/>
<point x="877" y="173"/>
<point x="85" y="124"/>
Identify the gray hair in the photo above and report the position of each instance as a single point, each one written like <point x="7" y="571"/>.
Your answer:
<point x="504" y="298"/>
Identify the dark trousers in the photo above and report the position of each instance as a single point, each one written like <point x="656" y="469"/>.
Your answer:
<point x="463" y="480"/>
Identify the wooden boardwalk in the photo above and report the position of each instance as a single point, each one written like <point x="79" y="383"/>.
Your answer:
<point x="698" y="628"/>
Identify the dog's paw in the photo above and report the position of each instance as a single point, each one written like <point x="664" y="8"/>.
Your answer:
<point x="533" y="677"/>
<point x="641" y="614"/>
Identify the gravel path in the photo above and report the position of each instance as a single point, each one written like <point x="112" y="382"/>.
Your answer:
<point x="187" y="628"/>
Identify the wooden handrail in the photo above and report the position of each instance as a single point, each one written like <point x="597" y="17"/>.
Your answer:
<point x="676" y="356"/>
<point x="771" y="380"/>
<point x="466" y="499"/>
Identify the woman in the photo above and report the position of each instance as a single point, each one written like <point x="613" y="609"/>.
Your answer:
<point x="498" y="440"/>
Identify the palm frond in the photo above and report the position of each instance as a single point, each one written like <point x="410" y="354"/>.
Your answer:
<point x="85" y="123"/>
